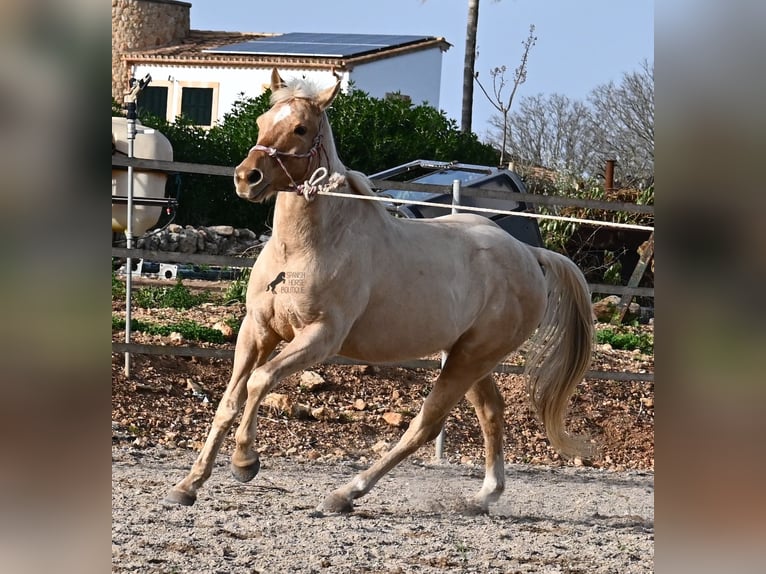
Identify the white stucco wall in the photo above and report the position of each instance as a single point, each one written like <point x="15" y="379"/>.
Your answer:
<point x="417" y="75"/>
<point x="230" y="83"/>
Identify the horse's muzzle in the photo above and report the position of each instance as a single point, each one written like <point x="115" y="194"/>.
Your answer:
<point x="247" y="176"/>
<point x="249" y="183"/>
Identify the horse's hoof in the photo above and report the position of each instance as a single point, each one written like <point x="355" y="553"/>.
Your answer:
<point x="176" y="496"/>
<point x="475" y="507"/>
<point x="334" y="503"/>
<point x="246" y="473"/>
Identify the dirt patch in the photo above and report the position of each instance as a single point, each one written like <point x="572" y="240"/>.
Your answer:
<point x="169" y="401"/>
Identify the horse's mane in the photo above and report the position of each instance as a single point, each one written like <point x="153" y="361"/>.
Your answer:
<point x="295" y="88"/>
<point x="360" y="183"/>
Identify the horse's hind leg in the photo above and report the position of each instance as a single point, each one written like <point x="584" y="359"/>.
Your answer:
<point x="489" y="405"/>
<point x="249" y="353"/>
<point x="449" y="388"/>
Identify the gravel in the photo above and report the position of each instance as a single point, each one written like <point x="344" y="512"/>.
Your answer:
<point x="561" y="519"/>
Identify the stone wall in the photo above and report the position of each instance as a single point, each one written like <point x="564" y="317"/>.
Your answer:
<point x="214" y="240"/>
<point x="143" y="25"/>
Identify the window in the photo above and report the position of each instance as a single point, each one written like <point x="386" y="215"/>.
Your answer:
<point x="197" y="105"/>
<point x="154" y="99"/>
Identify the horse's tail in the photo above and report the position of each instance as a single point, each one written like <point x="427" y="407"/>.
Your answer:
<point x="560" y="351"/>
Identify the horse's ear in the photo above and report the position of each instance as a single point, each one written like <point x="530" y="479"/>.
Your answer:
<point x="325" y="97"/>
<point x="276" y="81"/>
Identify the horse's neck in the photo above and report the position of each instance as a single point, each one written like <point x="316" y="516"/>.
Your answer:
<point x="301" y="225"/>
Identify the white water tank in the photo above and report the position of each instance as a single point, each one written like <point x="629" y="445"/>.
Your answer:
<point x="152" y="145"/>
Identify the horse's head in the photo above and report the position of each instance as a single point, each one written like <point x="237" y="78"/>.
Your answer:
<point x="289" y="138"/>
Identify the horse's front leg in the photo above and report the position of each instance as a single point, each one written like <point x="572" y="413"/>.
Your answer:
<point x="254" y="345"/>
<point x="312" y="345"/>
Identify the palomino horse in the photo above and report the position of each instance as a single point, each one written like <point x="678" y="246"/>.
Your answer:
<point x="342" y="276"/>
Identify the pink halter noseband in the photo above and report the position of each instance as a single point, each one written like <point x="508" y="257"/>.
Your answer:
<point x="276" y="154"/>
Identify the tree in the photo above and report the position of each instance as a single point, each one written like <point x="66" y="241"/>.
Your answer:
<point x="552" y="131"/>
<point x="375" y="134"/>
<point x="577" y="137"/>
<point x="469" y="65"/>
<point x="498" y="84"/>
<point x="623" y="123"/>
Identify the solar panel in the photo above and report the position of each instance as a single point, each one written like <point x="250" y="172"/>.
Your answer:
<point x="317" y="44"/>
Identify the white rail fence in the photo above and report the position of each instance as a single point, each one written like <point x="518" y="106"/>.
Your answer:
<point x="628" y="291"/>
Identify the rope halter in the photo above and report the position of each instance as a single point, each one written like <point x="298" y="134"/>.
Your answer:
<point x="277" y="155"/>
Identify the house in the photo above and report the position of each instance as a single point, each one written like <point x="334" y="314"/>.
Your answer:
<point x="200" y="74"/>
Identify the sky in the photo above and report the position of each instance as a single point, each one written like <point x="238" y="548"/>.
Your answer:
<point x="580" y="43"/>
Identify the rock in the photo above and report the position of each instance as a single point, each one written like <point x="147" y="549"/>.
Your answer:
<point x="194" y="387"/>
<point x="380" y="447"/>
<point x="321" y="413"/>
<point x="301" y="411"/>
<point x="245" y="234"/>
<point x="283" y="405"/>
<point x="394" y="419"/>
<point x="225" y="230"/>
<point x="187" y="241"/>
<point x="176" y="338"/>
<point x="312" y="380"/>
<point x="279" y="402"/>
<point x="226" y="330"/>
<point x="360" y="405"/>
<point x="364" y="369"/>
<point x="648" y="402"/>
<point x="606" y="308"/>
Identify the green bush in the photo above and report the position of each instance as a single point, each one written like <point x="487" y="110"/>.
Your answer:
<point x="604" y="255"/>
<point x="626" y="340"/>
<point x="118" y="287"/>
<point x="178" y="297"/>
<point x="371" y="135"/>
<point x="237" y="290"/>
<point x="189" y="330"/>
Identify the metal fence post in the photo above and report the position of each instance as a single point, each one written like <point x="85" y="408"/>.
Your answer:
<point x="439" y="451"/>
<point x="131" y="105"/>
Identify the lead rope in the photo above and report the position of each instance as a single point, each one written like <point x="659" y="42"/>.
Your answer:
<point x="313" y="185"/>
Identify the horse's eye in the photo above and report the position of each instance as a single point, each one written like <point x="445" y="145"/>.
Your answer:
<point x="300" y="130"/>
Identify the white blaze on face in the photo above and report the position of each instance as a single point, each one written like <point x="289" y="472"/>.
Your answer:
<point x="284" y="111"/>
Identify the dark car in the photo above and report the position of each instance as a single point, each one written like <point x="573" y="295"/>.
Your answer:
<point x="470" y="176"/>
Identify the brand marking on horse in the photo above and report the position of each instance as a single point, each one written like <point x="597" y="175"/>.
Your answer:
<point x="288" y="282"/>
<point x="280" y="278"/>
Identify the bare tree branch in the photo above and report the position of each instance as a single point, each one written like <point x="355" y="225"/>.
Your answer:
<point x="498" y="84"/>
<point x="576" y="138"/>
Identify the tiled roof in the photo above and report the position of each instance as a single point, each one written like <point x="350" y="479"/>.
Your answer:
<point x="191" y="51"/>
